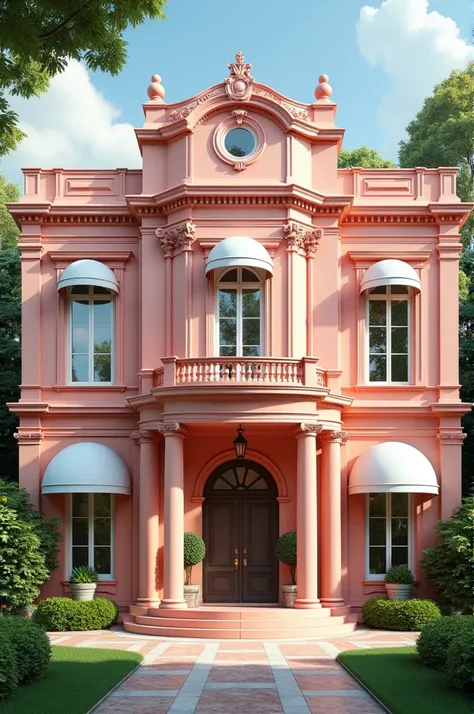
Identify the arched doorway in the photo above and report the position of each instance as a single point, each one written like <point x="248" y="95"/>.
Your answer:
<point x="240" y="528"/>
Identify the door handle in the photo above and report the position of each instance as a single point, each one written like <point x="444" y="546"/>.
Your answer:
<point x="236" y="563"/>
<point x="245" y="562"/>
<point x="245" y="557"/>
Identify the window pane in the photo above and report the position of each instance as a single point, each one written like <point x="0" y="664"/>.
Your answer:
<point x="230" y="276"/>
<point x="80" y="339"/>
<point x="102" y="338"/>
<point x="378" y="368"/>
<point x="399" y="290"/>
<point x="227" y="303"/>
<point x="221" y="485"/>
<point x="251" y="331"/>
<point x="80" y="368"/>
<point x="102" y="505"/>
<point x="377" y="531"/>
<point x="377" y="312"/>
<point x="400" y="555"/>
<point x="100" y="291"/>
<point x="102" y="368"/>
<point x="102" y="531"/>
<point x="377" y="504"/>
<point x="80" y="312"/>
<point x="248" y="276"/>
<point x="80" y="531"/>
<point x="248" y="351"/>
<point x="228" y="331"/>
<point x="80" y="556"/>
<point x="400" y="312"/>
<point x="399" y="340"/>
<point x="399" y="504"/>
<point x="102" y="560"/>
<point x="381" y="290"/>
<point x="103" y="312"/>
<point x="251" y="303"/>
<point x="399" y="531"/>
<point x="376" y="561"/>
<point x="377" y="340"/>
<point x="80" y="504"/>
<point x="80" y="290"/>
<point x="399" y="368"/>
<point x="227" y="351"/>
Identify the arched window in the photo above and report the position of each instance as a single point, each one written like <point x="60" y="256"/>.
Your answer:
<point x="240" y="313"/>
<point x="91" y="335"/>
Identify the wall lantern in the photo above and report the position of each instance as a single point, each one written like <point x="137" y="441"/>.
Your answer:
<point x="240" y="443"/>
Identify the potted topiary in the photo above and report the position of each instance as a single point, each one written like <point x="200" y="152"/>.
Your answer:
<point x="83" y="582"/>
<point x="399" y="582"/>
<point x="194" y="552"/>
<point x="285" y="551"/>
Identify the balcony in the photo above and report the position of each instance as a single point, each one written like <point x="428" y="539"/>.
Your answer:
<point x="241" y="372"/>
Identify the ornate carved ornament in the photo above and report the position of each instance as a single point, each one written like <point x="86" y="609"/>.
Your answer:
<point x="304" y="238"/>
<point x="452" y="436"/>
<point x="239" y="83"/>
<point x="171" y="428"/>
<point x="184" y="112"/>
<point x="308" y="428"/>
<point x="176" y="239"/>
<point x="297" y="112"/>
<point x="27" y="437"/>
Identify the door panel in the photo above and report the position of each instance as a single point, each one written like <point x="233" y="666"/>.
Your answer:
<point x="259" y="565"/>
<point x="221" y="536"/>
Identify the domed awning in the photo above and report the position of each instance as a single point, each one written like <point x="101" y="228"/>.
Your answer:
<point x="239" y="251"/>
<point x="86" y="467"/>
<point x="393" y="467"/>
<point x="390" y="272"/>
<point x="88" y="272"/>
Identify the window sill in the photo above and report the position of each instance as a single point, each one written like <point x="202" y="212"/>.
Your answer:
<point x="92" y="387"/>
<point x="389" y="387"/>
<point x="105" y="581"/>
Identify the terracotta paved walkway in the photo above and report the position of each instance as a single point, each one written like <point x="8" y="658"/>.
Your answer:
<point x="237" y="677"/>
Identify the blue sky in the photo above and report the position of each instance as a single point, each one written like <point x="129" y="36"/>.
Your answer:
<point x="381" y="64"/>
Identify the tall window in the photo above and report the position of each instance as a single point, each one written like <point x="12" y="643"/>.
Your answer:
<point x="91" y="320"/>
<point x="388" y="540"/>
<point x="389" y="343"/>
<point x="91" y="531"/>
<point x="239" y="313"/>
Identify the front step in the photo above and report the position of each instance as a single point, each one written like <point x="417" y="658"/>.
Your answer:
<point x="224" y="633"/>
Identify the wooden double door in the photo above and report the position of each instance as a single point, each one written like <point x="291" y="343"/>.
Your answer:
<point x="240" y="529"/>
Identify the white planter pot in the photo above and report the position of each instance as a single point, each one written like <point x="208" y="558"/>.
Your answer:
<point x="287" y="595"/>
<point x="398" y="592"/>
<point x="82" y="591"/>
<point x="192" y="595"/>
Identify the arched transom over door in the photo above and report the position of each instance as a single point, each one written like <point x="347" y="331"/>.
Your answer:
<point x="240" y="528"/>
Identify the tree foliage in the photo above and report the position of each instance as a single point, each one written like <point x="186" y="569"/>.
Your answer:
<point x="363" y="157"/>
<point x="38" y="37"/>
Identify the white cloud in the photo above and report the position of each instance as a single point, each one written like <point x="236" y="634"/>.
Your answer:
<point x="72" y="125"/>
<point x="417" y="49"/>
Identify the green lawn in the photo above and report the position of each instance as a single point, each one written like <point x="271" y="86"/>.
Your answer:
<point x="398" y="679"/>
<point x="77" y="679"/>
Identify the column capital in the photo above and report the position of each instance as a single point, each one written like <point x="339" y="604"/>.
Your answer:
<point x="176" y="238"/>
<point x="340" y="437"/>
<point x="307" y="429"/>
<point x="28" y="437"/>
<point x="302" y="237"/>
<point x="141" y="436"/>
<point x="172" y="428"/>
<point x="452" y="437"/>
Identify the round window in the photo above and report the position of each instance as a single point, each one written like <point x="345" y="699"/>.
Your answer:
<point x="240" y="142"/>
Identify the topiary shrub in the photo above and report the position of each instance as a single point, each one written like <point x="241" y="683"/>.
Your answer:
<point x="194" y="552"/>
<point x="435" y="638"/>
<point x="61" y="614"/>
<point x="460" y="658"/>
<point x="407" y="615"/>
<point x="449" y="565"/>
<point x="8" y="665"/>
<point x="31" y="647"/>
<point x="285" y="551"/>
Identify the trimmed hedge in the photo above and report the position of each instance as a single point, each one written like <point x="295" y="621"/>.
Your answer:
<point x="25" y="652"/>
<point x="407" y="615"/>
<point x="460" y="659"/>
<point x="61" y="614"/>
<point x="435" y="638"/>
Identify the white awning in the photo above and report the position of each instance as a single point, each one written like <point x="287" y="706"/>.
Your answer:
<point x="88" y="272"/>
<point x="393" y="467"/>
<point x="86" y="467"/>
<point x="390" y="272"/>
<point x="239" y="251"/>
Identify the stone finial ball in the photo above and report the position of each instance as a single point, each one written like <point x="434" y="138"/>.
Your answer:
<point x="323" y="90"/>
<point x="156" y="90"/>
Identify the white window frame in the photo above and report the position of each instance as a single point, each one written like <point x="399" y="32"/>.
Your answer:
<point x="92" y="299"/>
<point x="239" y="286"/>
<point x="101" y="576"/>
<point x="388" y="536"/>
<point x="388" y="298"/>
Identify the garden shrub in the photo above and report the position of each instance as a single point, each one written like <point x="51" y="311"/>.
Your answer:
<point x="449" y="564"/>
<point x="61" y="614"/>
<point x="408" y="615"/>
<point x="460" y="659"/>
<point x="8" y="665"/>
<point x="30" y="645"/>
<point x="435" y="638"/>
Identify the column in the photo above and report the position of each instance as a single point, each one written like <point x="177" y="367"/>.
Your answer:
<point x="148" y="520"/>
<point x="173" y="561"/>
<point x="307" y="514"/>
<point x="450" y="441"/>
<point x="331" y="552"/>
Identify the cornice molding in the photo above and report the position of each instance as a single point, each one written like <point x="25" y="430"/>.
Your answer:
<point x="63" y="258"/>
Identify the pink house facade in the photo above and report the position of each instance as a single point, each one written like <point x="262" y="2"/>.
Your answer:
<point x="239" y="279"/>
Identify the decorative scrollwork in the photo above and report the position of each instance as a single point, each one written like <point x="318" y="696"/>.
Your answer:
<point x="239" y="83"/>
<point x="300" y="237"/>
<point x="177" y="239"/>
